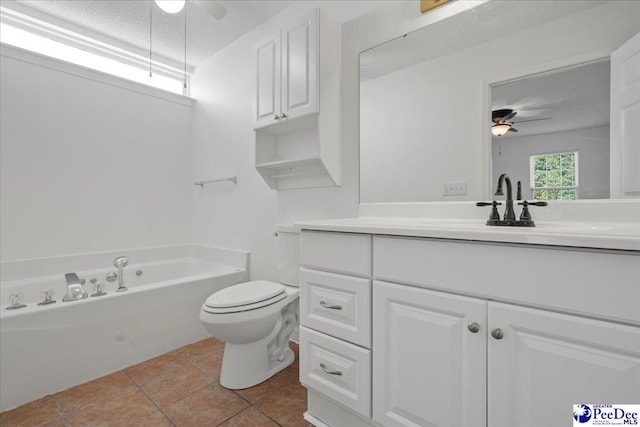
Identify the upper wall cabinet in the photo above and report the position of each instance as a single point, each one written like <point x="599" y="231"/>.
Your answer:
<point x="287" y="73"/>
<point x="296" y="105"/>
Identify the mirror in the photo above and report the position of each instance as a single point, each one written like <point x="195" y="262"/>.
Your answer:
<point x="426" y="98"/>
<point x="556" y="137"/>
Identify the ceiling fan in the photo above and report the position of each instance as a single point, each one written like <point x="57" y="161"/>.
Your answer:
<point x="212" y="7"/>
<point x="501" y="121"/>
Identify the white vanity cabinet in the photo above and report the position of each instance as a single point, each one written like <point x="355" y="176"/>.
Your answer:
<point x="335" y="317"/>
<point x="468" y="333"/>
<point x="446" y="352"/>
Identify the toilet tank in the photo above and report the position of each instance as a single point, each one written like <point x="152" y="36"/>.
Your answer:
<point x="288" y="238"/>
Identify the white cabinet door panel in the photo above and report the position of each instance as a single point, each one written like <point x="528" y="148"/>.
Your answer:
<point x="546" y="362"/>
<point x="267" y="91"/>
<point x="300" y="67"/>
<point x="429" y="368"/>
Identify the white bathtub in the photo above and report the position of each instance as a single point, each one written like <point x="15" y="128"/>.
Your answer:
<point x="46" y="349"/>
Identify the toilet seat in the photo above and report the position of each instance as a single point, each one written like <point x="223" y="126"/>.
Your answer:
<point x="244" y="297"/>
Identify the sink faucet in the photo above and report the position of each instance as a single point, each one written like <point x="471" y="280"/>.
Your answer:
<point x="75" y="291"/>
<point x="120" y="263"/>
<point x="509" y="214"/>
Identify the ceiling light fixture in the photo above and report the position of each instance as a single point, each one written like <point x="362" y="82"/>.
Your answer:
<point x="171" y="6"/>
<point x="500" y="128"/>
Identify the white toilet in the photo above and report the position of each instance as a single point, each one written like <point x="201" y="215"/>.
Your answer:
<point x="255" y="320"/>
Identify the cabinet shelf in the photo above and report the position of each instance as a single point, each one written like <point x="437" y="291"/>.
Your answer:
<point x="281" y="164"/>
<point x="295" y="173"/>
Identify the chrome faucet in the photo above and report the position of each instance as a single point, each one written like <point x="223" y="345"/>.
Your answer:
<point x="75" y="291"/>
<point x="120" y="263"/>
<point x="509" y="213"/>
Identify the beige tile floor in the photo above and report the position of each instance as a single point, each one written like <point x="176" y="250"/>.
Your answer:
<point x="179" y="388"/>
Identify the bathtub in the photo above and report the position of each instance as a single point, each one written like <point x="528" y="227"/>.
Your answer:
<point x="48" y="348"/>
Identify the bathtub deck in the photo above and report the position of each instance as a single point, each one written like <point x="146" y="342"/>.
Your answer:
<point x="179" y="388"/>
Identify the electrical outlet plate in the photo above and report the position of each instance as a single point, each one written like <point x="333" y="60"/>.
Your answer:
<point x="454" y="188"/>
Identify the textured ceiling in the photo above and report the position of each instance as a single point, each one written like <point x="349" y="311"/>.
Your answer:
<point x="128" y="21"/>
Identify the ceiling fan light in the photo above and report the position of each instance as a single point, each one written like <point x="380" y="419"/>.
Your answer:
<point x="171" y="6"/>
<point x="500" y="129"/>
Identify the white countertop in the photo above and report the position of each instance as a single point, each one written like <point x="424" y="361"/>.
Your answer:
<point x="600" y="235"/>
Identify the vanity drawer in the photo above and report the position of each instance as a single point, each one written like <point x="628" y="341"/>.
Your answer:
<point x="339" y="370"/>
<point x="340" y="252"/>
<point x="337" y="305"/>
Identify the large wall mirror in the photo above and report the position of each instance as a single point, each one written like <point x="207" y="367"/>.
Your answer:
<point x="426" y="102"/>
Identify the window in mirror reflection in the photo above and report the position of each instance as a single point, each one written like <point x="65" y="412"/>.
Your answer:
<point x="554" y="176"/>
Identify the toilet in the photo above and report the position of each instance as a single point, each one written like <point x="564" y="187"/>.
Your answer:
<point x="255" y="320"/>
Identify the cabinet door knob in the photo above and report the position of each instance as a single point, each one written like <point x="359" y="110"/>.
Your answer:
<point x="332" y="307"/>
<point x="497" y="333"/>
<point x="474" y="327"/>
<point x="283" y="116"/>
<point x="276" y="117"/>
<point x="324" y="369"/>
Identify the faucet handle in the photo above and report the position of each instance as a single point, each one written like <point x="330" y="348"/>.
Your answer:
<point x="494" y="215"/>
<point x="525" y="215"/>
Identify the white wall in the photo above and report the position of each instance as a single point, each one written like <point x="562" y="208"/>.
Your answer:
<point x="88" y="166"/>
<point x="243" y="216"/>
<point x="427" y="125"/>
<point x="592" y="145"/>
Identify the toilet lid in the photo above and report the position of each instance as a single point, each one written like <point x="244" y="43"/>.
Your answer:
<point x="244" y="294"/>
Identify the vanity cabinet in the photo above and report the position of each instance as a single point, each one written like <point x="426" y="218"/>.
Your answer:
<point x="475" y="333"/>
<point x="297" y="146"/>
<point x="335" y="317"/>
<point x="447" y="360"/>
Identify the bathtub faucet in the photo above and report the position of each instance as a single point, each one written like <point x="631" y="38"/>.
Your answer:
<point x="120" y="263"/>
<point x="75" y="291"/>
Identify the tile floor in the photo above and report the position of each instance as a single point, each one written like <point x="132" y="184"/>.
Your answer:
<point x="179" y="388"/>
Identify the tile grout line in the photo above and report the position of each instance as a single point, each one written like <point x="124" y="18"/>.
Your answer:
<point x="266" y="415"/>
<point x="62" y="413"/>
<point x="150" y="399"/>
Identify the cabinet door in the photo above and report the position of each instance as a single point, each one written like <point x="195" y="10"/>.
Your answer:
<point x="547" y="362"/>
<point x="300" y="67"/>
<point x="429" y="367"/>
<point x="267" y="57"/>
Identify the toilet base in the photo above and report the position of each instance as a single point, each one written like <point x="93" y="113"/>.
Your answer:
<point x="246" y="365"/>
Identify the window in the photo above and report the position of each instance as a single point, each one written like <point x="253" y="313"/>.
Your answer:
<point x="40" y="37"/>
<point x="554" y="176"/>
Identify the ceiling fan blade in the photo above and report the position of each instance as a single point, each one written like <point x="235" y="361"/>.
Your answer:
<point x="509" y="116"/>
<point x="533" y="120"/>
<point x="212" y="7"/>
<point x="511" y="129"/>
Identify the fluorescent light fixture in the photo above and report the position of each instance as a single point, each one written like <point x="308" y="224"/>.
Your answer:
<point x="500" y="129"/>
<point x="171" y="6"/>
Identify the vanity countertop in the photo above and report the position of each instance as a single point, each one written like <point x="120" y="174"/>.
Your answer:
<point x="599" y="235"/>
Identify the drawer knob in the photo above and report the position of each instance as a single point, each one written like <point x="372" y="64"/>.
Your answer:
<point x="474" y="327"/>
<point x="324" y="369"/>
<point x="497" y="333"/>
<point x="330" y="307"/>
